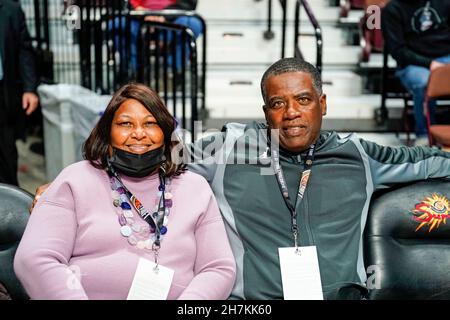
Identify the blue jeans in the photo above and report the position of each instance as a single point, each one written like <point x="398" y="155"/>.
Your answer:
<point x="120" y="41"/>
<point x="415" y="79"/>
<point x="195" y="25"/>
<point x="192" y="23"/>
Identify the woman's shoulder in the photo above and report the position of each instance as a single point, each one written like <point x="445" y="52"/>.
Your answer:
<point x="82" y="171"/>
<point x="75" y="181"/>
<point x="83" y="165"/>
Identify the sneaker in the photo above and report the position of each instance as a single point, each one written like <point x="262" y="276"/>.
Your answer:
<point x="421" y="142"/>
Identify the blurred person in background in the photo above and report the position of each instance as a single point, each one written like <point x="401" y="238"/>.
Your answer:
<point x="417" y="35"/>
<point x="18" y="82"/>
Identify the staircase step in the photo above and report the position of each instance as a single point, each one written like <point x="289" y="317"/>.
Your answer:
<point x="235" y="93"/>
<point x="248" y="10"/>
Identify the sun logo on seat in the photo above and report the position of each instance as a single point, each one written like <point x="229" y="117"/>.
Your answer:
<point x="432" y="211"/>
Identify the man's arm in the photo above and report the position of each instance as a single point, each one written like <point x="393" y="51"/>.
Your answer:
<point x="394" y="37"/>
<point x="393" y="165"/>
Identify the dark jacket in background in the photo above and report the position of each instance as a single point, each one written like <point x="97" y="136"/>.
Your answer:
<point x="184" y="5"/>
<point x="18" y="61"/>
<point x="406" y="41"/>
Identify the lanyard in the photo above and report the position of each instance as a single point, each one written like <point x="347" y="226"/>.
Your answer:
<point x="156" y="219"/>
<point x="301" y="190"/>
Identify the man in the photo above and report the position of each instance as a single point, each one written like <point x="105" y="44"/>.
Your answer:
<point x="344" y="174"/>
<point x="417" y="35"/>
<point x="17" y="85"/>
<point x="239" y="165"/>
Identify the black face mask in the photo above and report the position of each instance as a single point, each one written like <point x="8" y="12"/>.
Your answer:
<point x="137" y="165"/>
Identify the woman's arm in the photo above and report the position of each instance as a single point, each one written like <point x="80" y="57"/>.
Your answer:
<point x="215" y="267"/>
<point x="42" y="259"/>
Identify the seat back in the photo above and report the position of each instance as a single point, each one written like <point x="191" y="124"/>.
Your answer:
<point x="407" y="242"/>
<point x="14" y="204"/>
<point x="439" y="82"/>
<point x="438" y="87"/>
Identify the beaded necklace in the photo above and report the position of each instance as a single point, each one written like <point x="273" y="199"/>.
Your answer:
<point x="148" y="236"/>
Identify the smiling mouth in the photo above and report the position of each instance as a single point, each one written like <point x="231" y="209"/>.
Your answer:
<point x="138" y="147"/>
<point x="294" y="131"/>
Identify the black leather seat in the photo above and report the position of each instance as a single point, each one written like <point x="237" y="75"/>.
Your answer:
<point x="407" y="242"/>
<point x="14" y="204"/>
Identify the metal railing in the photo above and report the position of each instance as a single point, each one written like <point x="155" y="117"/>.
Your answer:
<point x="268" y="34"/>
<point x="165" y="50"/>
<point x="97" y="55"/>
<point x="202" y="74"/>
<point x="317" y="32"/>
<point x="48" y="35"/>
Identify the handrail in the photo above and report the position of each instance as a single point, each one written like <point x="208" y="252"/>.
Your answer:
<point x="269" y="34"/>
<point x="186" y="13"/>
<point x="283" y="26"/>
<point x="194" y="78"/>
<point x="109" y="32"/>
<point x="317" y="32"/>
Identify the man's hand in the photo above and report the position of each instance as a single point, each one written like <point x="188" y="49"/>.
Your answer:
<point x="155" y="18"/>
<point x="150" y="18"/>
<point x="435" y="64"/>
<point x="29" y="102"/>
<point x="39" y="191"/>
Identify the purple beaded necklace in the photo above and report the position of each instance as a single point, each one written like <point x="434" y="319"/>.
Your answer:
<point x="150" y="235"/>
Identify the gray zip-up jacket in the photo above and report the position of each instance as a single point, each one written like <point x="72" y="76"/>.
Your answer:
<point x="345" y="173"/>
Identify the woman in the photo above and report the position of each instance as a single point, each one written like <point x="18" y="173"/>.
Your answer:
<point x="127" y="208"/>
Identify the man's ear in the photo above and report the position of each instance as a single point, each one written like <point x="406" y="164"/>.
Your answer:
<point x="323" y="104"/>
